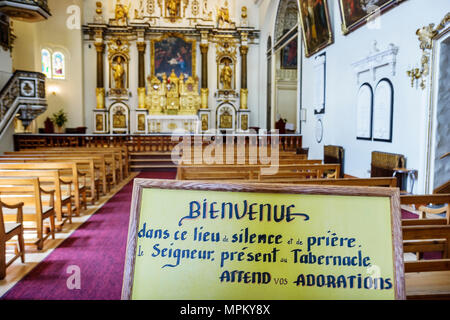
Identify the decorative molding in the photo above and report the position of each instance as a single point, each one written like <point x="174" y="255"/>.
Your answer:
<point x="377" y="59"/>
<point x="426" y="36"/>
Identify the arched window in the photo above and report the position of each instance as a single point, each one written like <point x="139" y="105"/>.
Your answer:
<point x="46" y="63"/>
<point x="287" y="18"/>
<point x="59" y="66"/>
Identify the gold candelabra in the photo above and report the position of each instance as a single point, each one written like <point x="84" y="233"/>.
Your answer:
<point x="416" y="74"/>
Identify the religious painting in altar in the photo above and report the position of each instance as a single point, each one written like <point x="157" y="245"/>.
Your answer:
<point x="289" y="55"/>
<point x="173" y="53"/>
<point x="355" y="13"/>
<point x="316" y="26"/>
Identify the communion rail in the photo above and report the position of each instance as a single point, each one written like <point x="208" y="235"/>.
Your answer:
<point x="142" y="143"/>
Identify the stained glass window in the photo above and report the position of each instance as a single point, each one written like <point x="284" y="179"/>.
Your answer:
<point x="46" y="63"/>
<point x="59" y="66"/>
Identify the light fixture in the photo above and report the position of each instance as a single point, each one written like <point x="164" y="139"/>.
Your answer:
<point x="53" y="90"/>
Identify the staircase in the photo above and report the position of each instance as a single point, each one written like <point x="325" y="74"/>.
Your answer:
<point x="23" y="94"/>
<point x="151" y="161"/>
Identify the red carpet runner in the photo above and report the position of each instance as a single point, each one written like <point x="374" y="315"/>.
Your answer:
<point x="97" y="248"/>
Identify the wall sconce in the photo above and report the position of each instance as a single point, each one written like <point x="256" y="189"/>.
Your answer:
<point x="416" y="73"/>
<point x="53" y="90"/>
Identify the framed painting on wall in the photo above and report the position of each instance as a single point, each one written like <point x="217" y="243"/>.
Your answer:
<point x="316" y="26"/>
<point x="289" y="55"/>
<point x="355" y="13"/>
<point x="173" y="52"/>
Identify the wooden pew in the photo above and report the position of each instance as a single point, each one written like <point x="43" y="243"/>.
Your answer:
<point x="93" y="166"/>
<point x="334" y="154"/>
<point x="254" y="172"/>
<point x="15" y="190"/>
<point x="425" y="278"/>
<point x="383" y="164"/>
<point x="67" y="169"/>
<point x="7" y="232"/>
<point x="110" y="159"/>
<point x="421" y="201"/>
<point x="240" y="156"/>
<point x="289" y="162"/>
<point x="121" y="150"/>
<point x="50" y="179"/>
<point x="370" y="182"/>
<point x="114" y="157"/>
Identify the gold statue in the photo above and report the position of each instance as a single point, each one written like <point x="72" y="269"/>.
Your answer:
<point x="99" y="9"/>
<point x="223" y="15"/>
<point x="244" y="17"/>
<point x="139" y="13"/>
<point x="121" y="13"/>
<point x="226" y="75"/>
<point x="244" y="12"/>
<point x="98" y="18"/>
<point x="119" y="72"/>
<point x="172" y="7"/>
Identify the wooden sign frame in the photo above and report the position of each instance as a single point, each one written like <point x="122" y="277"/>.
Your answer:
<point x="141" y="184"/>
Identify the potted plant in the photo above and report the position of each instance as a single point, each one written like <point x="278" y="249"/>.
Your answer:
<point x="59" y="119"/>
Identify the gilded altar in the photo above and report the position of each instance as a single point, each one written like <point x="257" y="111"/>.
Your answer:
<point x="173" y="95"/>
<point x="172" y="103"/>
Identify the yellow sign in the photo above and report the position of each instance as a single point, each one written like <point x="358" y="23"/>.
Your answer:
<point x="222" y="245"/>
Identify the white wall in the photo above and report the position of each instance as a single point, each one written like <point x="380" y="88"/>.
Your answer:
<point x="397" y="26"/>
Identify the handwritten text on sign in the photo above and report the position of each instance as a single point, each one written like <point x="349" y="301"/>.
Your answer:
<point x="230" y="245"/>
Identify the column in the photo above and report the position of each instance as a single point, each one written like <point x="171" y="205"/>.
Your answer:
<point x="141" y="81"/>
<point x="204" y="47"/>
<point x="100" y="90"/>
<point x="244" y="88"/>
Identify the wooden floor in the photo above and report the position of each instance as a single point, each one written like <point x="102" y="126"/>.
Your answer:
<point x="33" y="257"/>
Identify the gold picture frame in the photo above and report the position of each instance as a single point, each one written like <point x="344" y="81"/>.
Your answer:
<point x="153" y="55"/>
<point x="317" y="33"/>
<point x="354" y="15"/>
